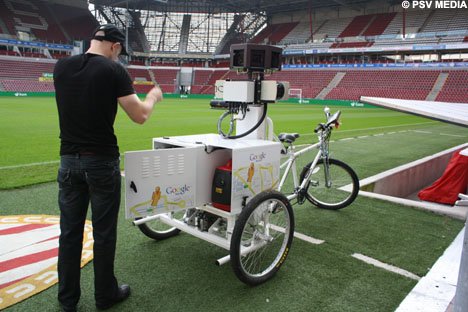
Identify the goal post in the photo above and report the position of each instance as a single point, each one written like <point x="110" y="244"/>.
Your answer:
<point x="296" y="93"/>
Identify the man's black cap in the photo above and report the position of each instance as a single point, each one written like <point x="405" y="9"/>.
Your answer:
<point x="112" y="34"/>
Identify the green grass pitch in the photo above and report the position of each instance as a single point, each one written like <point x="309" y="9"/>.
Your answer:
<point x="179" y="274"/>
<point x="29" y="146"/>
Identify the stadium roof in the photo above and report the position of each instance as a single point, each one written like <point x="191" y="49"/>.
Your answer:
<point x="205" y="6"/>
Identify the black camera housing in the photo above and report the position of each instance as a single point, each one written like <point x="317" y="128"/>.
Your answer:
<point x="255" y="57"/>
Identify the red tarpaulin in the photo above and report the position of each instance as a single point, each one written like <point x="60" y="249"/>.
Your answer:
<point x="454" y="181"/>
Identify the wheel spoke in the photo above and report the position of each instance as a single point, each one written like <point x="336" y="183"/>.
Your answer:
<point x="259" y="260"/>
<point x="331" y="195"/>
<point x="260" y="224"/>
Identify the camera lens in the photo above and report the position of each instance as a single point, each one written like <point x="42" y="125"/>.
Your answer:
<point x="280" y="89"/>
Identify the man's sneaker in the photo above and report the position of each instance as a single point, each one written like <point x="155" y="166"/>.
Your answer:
<point x="67" y="309"/>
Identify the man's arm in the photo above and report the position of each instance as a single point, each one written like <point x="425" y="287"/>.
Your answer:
<point x="138" y="110"/>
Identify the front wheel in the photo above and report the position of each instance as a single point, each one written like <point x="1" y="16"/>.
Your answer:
<point x="262" y="237"/>
<point x="331" y="195"/>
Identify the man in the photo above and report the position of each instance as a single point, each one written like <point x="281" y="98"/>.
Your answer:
<point x="88" y="88"/>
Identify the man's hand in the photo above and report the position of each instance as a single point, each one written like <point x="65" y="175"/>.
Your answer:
<point x="155" y="93"/>
<point x="139" y="111"/>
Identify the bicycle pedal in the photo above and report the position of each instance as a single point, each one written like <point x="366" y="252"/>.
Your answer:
<point x="313" y="183"/>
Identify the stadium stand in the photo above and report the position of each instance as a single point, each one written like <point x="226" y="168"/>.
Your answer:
<point x="165" y="76"/>
<point x="332" y="27"/>
<point x="353" y="32"/>
<point x="24" y="69"/>
<point x="300" y="34"/>
<point x="357" y="26"/>
<point x="400" y="84"/>
<point x="201" y="77"/>
<point x="379" y="23"/>
<point x="204" y="80"/>
<point x="35" y="17"/>
<point x="27" y="85"/>
<point x="404" y="84"/>
<point x="22" y="75"/>
<point x="445" y="20"/>
<point x="53" y="22"/>
<point x="310" y="81"/>
<point x="281" y="31"/>
<point x="139" y="73"/>
<point x="360" y="44"/>
<point x="455" y="88"/>
<point x="78" y="23"/>
<point x="8" y="52"/>
<point x="274" y="33"/>
<point x="415" y="20"/>
<point x="144" y="88"/>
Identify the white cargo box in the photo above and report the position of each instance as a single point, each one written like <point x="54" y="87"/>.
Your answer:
<point x="178" y="173"/>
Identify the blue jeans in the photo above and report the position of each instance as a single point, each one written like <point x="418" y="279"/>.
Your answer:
<point x="83" y="180"/>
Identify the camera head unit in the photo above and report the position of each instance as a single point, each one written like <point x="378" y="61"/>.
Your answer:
<point x="250" y="57"/>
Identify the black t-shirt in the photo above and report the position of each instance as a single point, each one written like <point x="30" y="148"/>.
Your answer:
<point x="87" y="87"/>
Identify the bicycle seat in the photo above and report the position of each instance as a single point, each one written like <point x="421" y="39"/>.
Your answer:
<point x="288" y="137"/>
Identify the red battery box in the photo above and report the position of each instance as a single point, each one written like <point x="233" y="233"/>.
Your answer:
<point x="221" y="189"/>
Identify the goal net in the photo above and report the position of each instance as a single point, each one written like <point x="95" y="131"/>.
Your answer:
<point x="296" y="93"/>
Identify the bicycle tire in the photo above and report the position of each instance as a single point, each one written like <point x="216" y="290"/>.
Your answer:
<point x="270" y="244"/>
<point x="331" y="198"/>
<point x="158" y="230"/>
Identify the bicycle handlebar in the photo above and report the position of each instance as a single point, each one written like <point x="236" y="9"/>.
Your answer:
<point x="319" y="127"/>
<point x="332" y="121"/>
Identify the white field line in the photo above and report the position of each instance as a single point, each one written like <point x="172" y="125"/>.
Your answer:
<point x="358" y="256"/>
<point x="453" y="135"/>
<point x="308" y="238"/>
<point x="385" y="266"/>
<point x="305" y="134"/>
<point x="299" y="235"/>
<point x="383" y="127"/>
<point x="31" y="164"/>
<point x="360" y="137"/>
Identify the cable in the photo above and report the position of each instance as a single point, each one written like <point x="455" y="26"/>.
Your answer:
<point x="260" y="121"/>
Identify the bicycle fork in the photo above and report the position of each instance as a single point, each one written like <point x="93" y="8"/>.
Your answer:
<point x="326" y="169"/>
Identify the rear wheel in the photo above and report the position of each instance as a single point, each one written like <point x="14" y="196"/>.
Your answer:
<point x="331" y="196"/>
<point x="159" y="230"/>
<point x="262" y="237"/>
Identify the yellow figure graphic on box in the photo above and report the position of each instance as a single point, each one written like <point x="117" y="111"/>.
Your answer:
<point x="156" y="196"/>
<point x="250" y="173"/>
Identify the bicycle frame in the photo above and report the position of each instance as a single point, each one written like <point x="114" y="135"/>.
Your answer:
<point x="290" y="163"/>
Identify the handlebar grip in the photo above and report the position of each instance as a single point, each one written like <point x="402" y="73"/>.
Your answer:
<point x="319" y="127"/>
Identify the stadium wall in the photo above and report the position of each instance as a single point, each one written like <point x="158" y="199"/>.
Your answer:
<point x="207" y="97"/>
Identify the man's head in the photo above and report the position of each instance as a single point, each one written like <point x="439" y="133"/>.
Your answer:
<point x="111" y="41"/>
